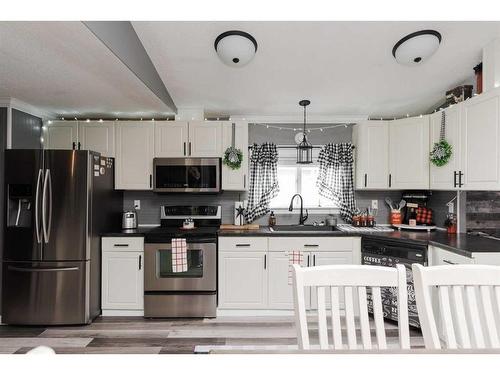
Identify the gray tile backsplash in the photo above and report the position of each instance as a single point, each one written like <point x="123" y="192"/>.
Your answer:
<point x="151" y="202"/>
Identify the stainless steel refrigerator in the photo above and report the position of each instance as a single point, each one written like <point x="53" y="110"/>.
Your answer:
<point x="57" y="204"/>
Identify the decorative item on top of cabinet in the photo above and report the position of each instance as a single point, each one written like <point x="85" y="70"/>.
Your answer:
<point x="134" y="155"/>
<point x="235" y="179"/>
<point x="409" y="153"/>
<point x="372" y="154"/>
<point x="445" y="177"/>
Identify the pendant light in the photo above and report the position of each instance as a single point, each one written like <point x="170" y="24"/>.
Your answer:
<point x="304" y="148"/>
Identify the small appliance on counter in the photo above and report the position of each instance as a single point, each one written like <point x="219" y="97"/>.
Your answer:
<point x="129" y="220"/>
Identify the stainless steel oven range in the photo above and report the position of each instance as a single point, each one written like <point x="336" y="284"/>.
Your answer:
<point x="192" y="293"/>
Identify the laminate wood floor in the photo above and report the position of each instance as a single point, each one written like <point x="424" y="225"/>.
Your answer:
<point x="120" y="335"/>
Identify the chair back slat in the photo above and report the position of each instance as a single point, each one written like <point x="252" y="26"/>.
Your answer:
<point x="379" y="318"/>
<point x="363" y="319"/>
<point x="404" y="332"/>
<point x="489" y="317"/>
<point x="322" y="324"/>
<point x="349" y="317"/>
<point x="353" y="282"/>
<point x="335" y="310"/>
<point x="463" y="338"/>
<point x="469" y="305"/>
<point x="472" y="303"/>
<point x="444" y="303"/>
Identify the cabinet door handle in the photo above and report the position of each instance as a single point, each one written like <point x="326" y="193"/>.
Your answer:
<point x="308" y="260"/>
<point x="120" y="245"/>
<point x="390" y="180"/>
<point x="311" y="245"/>
<point x="79" y="145"/>
<point x="265" y="261"/>
<point x="314" y="260"/>
<point x="140" y="262"/>
<point x="74" y="145"/>
<point x="366" y="177"/>
<point x="244" y="181"/>
<point x="454" y="178"/>
<point x="460" y="174"/>
<point x="448" y="262"/>
<point x="242" y="245"/>
<point x="189" y="148"/>
<point x="184" y="148"/>
<point x="151" y="181"/>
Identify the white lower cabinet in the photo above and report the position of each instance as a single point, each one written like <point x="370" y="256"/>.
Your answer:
<point x="243" y="279"/>
<point x="122" y="276"/>
<point x="253" y="271"/>
<point x="280" y="292"/>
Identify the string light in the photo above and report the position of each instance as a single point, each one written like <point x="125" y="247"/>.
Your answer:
<point x="322" y="128"/>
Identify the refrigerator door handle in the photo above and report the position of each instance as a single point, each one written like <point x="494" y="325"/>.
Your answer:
<point x="37" y="216"/>
<point x="47" y="219"/>
<point x="54" y="269"/>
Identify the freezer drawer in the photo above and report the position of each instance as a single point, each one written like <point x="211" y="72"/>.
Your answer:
<point x="45" y="293"/>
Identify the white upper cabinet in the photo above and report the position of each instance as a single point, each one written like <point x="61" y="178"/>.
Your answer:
<point x="480" y="146"/>
<point x="409" y="153"/>
<point x="372" y="154"/>
<point x="97" y="136"/>
<point x="446" y="176"/>
<point x="171" y="139"/>
<point x="235" y="179"/>
<point x="134" y="155"/>
<point x="62" y="135"/>
<point x="205" y="139"/>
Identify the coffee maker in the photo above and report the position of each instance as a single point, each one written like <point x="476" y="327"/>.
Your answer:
<point x="415" y="199"/>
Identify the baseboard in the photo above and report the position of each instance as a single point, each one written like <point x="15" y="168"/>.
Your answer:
<point x="234" y="312"/>
<point x="122" y="313"/>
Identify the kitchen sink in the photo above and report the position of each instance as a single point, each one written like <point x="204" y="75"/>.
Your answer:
<point x="302" y="228"/>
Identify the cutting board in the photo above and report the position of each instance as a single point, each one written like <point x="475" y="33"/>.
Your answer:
<point x="240" y="227"/>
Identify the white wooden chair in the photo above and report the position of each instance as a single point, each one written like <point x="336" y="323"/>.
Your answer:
<point x="468" y="301"/>
<point x="349" y="278"/>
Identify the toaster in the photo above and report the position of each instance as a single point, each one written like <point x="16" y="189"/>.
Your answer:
<point x="129" y="220"/>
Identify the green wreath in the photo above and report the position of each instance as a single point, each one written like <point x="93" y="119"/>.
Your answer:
<point x="233" y="158"/>
<point x="441" y="153"/>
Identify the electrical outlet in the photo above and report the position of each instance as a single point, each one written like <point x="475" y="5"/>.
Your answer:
<point x="137" y="204"/>
<point x="375" y="204"/>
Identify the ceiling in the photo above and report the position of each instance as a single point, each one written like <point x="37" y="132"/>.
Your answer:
<point x="62" y="68"/>
<point x="344" y="68"/>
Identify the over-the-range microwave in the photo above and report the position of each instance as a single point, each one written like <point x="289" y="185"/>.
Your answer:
<point x="187" y="175"/>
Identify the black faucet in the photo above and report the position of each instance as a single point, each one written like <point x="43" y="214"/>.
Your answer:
<point x="302" y="218"/>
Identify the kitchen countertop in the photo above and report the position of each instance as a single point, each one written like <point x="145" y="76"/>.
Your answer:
<point x="463" y="244"/>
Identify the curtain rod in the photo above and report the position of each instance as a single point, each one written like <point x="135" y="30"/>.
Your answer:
<point x="293" y="147"/>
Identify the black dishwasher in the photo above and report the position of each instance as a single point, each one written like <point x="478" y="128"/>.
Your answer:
<point x="388" y="253"/>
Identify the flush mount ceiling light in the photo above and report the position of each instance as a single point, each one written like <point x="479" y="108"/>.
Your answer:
<point x="235" y="48"/>
<point x="416" y="47"/>
<point x="304" y="148"/>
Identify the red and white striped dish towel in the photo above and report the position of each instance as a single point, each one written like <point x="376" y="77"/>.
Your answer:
<point x="294" y="257"/>
<point x="179" y="255"/>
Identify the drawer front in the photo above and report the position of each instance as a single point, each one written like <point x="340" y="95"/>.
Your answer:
<point x="242" y="243"/>
<point x="311" y="243"/>
<point x="123" y="244"/>
<point x="444" y="257"/>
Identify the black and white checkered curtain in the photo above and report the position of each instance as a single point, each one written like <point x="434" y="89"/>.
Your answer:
<point x="263" y="180"/>
<point x="336" y="177"/>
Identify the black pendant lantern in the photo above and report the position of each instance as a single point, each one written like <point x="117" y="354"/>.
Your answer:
<point x="304" y="148"/>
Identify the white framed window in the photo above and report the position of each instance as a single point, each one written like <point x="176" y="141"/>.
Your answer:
<point x="295" y="178"/>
